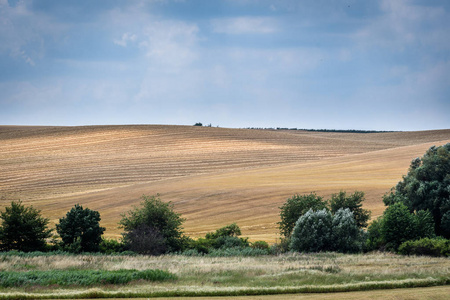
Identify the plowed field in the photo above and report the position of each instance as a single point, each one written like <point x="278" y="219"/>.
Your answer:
<point x="214" y="176"/>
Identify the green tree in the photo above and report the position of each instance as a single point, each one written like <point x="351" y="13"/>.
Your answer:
<point x="22" y="228"/>
<point x="312" y="232"/>
<point x="445" y="224"/>
<point x="295" y="207"/>
<point x="346" y="236"/>
<point x="354" y="203"/>
<point x="321" y="231"/>
<point x="375" y="239"/>
<point x="80" y="230"/>
<point x="229" y="230"/>
<point x="227" y="237"/>
<point x="145" y="240"/>
<point x="398" y="226"/>
<point x="424" y="224"/>
<point x="160" y="217"/>
<point x="426" y="187"/>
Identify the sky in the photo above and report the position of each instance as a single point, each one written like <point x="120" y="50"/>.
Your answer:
<point x="314" y="64"/>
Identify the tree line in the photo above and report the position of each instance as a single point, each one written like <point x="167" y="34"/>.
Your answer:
<point x="416" y="221"/>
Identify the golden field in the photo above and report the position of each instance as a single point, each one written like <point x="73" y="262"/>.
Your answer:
<point x="214" y="176"/>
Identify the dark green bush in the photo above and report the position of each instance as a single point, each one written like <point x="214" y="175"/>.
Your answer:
<point x="260" y="245"/>
<point x="229" y="230"/>
<point x="145" y="240"/>
<point x="281" y="247"/>
<point x="224" y="242"/>
<point x="398" y="225"/>
<point x="201" y="245"/>
<point x="111" y="246"/>
<point x="375" y="239"/>
<point x="426" y="246"/>
<point x="223" y="238"/>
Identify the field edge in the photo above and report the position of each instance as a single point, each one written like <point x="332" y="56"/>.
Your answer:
<point x="245" y="291"/>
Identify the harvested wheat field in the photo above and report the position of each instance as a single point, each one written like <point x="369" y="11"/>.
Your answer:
<point x="214" y="176"/>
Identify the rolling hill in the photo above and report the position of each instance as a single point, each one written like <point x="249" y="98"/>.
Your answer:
<point x="214" y="176"/>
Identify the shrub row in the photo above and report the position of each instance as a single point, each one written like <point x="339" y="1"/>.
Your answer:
<point x="426" y="246"/>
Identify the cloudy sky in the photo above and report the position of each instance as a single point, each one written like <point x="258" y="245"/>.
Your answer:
<point x="342" y="64"/>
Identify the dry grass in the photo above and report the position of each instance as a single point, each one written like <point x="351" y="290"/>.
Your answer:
<point x="290" y="273"/>
<point x="357" y="267"/>
<point x="214" y="176"/>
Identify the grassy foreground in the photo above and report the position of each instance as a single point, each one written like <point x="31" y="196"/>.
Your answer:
<point x="233" y="276"/>
<point x="428" y="293"/>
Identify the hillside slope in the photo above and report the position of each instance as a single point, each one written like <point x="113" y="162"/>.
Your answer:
<point x="214" y="176"/>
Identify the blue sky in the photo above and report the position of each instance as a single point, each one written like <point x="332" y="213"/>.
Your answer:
<point x="341" y="64"/>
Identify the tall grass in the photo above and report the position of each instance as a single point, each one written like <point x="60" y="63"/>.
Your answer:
<point x="79" y="277"/>
<point x="233" y="275"/>
<point x="228" y="252"/>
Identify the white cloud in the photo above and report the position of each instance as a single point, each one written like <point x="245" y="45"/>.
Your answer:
<point x="244" y="25"/>
<point x="297" y="60"/>
<point x="126" y="37"/>
<point x="403" y="25"/>
<point x="164" y="42"/>
<point x="23" y="33"/>
<point x="170" y="43"/>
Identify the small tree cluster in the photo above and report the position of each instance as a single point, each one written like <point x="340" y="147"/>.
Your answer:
<point x="398" y="225"/>
<point x="154" y="228"/>
<point x="24" y="229"/>
<point x="418" y="206"/>
<point x="298" y="205"/>
<point x="223" y="238"/>
<point x="317" y="231"/>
